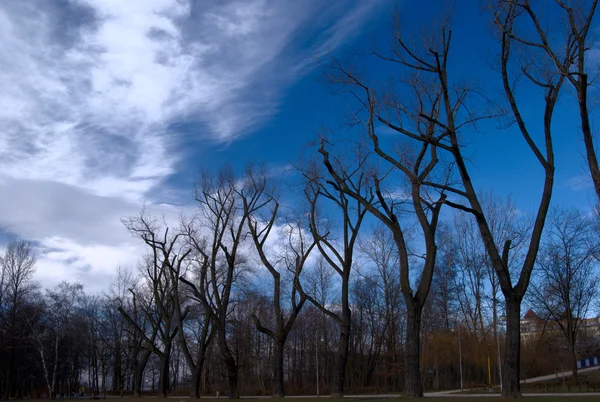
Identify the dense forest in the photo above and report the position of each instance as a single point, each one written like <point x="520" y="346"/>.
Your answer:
<point x="375" y="264"/>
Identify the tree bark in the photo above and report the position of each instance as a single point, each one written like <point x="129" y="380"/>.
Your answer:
<point x="196" y="380"/>
<point x="139" y="373"/>
<point x="588" y="136"/>
<point x="511" y="376"/>
<point x="574" y="363"/>
<point x="232" y="377"/>
<point x="412" y="375"/>
<point x="117" y="380"/>
<point x="278" y="384"/>
<point x="573" y="351"/>
<point x="342" y="360"/>
<point x="163" y="381"/>
<point x="230" y="364"/>
<point x="198" y="368"/>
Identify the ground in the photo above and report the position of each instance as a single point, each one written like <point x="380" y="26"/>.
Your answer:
<point x="454" y="398"/>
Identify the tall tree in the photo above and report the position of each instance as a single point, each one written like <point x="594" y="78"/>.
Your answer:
<point x="61" y="304"/>
<point x="337" y="251"/>
<point x="116" y="324"/>
<point x="216" y="236"/>
<point x="374" y="191"/>
<point x="566" y="282"/>
<point x="370" y="324"/>
<point x="167" y="252"/>
<point x="17" y="288"/>
<point x="139" y="308"/>
<point x="379" y="249"/>
<point x="292" y="259"/>
<point x="576" y="43"/>
<point x="472" y="273"/>
<point x="202" y="336"/>
<point x="442" y="108"/>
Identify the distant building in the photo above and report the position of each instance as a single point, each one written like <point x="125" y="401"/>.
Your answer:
<point x="533" y="326"/>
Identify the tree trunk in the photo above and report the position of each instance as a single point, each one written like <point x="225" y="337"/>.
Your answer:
<point x="278" y="386"/>
<point x="197" y="371"/>
<point x="163" y="379"/>
<point x="232" y="377"/>
<point x="6" y="391"/>
<point x="342" y="360"/>
<point x="573" y="357"/>
<point x="229" y="361"/>
<point x="117" y="380"/>
<point x="206" y="375"/>
<point x="511" y="377"/>
<point x="412" y="374"/>
<point x="196" y="381"/>
<point x="139" y="373"/>
<point x="588" y="136"/>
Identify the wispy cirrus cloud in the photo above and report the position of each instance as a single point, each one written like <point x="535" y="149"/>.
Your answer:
<point x="91" y="89"/>
<point x="579" y="182"/>
<point x="91" y="86"/>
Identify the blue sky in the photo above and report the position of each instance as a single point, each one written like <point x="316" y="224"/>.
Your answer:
<point x="109" y="105"/>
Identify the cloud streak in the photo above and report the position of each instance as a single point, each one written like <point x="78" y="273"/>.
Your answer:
<point x="92" y="89"/>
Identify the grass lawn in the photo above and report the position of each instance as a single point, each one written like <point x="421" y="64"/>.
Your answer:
<point x="588" y="382"/>
<point x="456" y="398"/>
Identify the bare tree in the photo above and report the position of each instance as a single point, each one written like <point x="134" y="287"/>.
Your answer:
<point x="380" y="249"/>
<point x="381" y="201"/>
<point x="60" y="307"/>
<point x="338" y="253"/>
<point x="139" y="308"/>
<point x="441" y="109"/>
<point x="202" y="337"/>
<point x="478" y="283"/>
<point x="129" y="293"/>
<point x="291" y="259"/>
<point x="17" y="267"/>
<point x="169" y="260"/>
<point x="101" y="345"/>
<point x="445" y="293"/>
<point x="405" y="179"/>
<point x="568" y="55"/>
<point x="116" y="324"/>
<point x="167" y="253"/>
<point x="370" y="324"/>
<point x="471" y="260"/>
<point x="506" y="18"/>
<point x="216" y="236"/>
<point x="566" y="281"/>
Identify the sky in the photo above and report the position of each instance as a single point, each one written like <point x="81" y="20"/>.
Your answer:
<point x="111" y="106"/>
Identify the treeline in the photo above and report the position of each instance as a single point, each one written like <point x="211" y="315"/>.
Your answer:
<point x="248" y="297"/>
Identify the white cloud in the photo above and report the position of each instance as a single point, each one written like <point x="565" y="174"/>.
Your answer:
<point x="91" y="89"/>
<point x="79" y="235"/>
<point x="580" y="182"/>
<point x="65" y="259"/>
